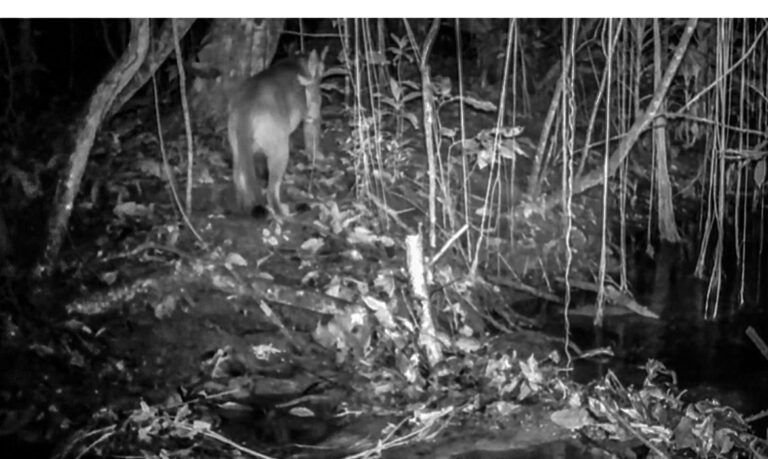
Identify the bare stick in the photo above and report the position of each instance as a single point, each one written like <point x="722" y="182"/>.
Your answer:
<point x="185" y="108"/>
<point x="757" y="341"/>
<point x="429" y="119"/>
<point x="417" y="274"/>
<point x="449" y="243"/>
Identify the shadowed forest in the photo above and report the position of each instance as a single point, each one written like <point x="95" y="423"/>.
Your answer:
<point x="359" y="238"/>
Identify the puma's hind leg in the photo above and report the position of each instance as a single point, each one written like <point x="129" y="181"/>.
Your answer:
<point x="277" y="163"/>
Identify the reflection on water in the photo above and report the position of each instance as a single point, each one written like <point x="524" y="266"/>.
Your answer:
<point x="567" y="449"/>
<point x="712" y="358"/>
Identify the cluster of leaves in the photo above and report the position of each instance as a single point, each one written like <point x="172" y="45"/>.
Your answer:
<point x="655" y="417"/>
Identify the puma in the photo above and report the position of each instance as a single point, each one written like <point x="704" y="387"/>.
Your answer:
<point x="263" y="112"/>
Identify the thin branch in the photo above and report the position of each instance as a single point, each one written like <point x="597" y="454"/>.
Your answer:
<point x="185" y="109"/>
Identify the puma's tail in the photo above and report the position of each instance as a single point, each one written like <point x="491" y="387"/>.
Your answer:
<point x="244" y="167"/>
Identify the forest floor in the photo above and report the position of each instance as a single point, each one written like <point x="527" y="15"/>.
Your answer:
<point x="300" y="338"/>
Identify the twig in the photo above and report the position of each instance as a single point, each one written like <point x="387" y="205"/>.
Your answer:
<point x="109" y="432"/>
<point x="718" y="124"/>
<point x="222" y="439"/>
<point x="149" y="246"/>
<point x="757" y="416"/>
<point x="526" y="288"/>
<point x="757" y="341"/>
<point x="310" y="35"/>
<point x="389" y="211"/>
<point x="617" y="416"/>
<point x="105" y="431"/>
<point x="421" y="433"/>
<point x="448" y="244"/>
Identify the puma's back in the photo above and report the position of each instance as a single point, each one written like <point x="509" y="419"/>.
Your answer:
<point x="263" y="113"/>
<point x="274" y="96"/>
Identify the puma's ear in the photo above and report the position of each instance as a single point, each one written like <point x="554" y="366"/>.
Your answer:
<point x="314" y="69"/>
<point x="321" y="64"/>
<point x="315" y="65"/>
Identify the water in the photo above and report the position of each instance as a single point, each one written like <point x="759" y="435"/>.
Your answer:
<point x="712" y="358"/>
<point x="563" y="449"/>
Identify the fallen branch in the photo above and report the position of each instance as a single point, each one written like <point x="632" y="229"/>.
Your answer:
<point x="614" y="296"/>
<point x="757" y="341"/>
<point x="526" y="288"/>
<point x="156" y="287"/>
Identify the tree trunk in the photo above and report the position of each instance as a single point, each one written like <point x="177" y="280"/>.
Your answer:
<point x="234" y="49"/>
<point x="158" y="55"/>
<point x="99" y="104"/>
<point x="667" y="227"/>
